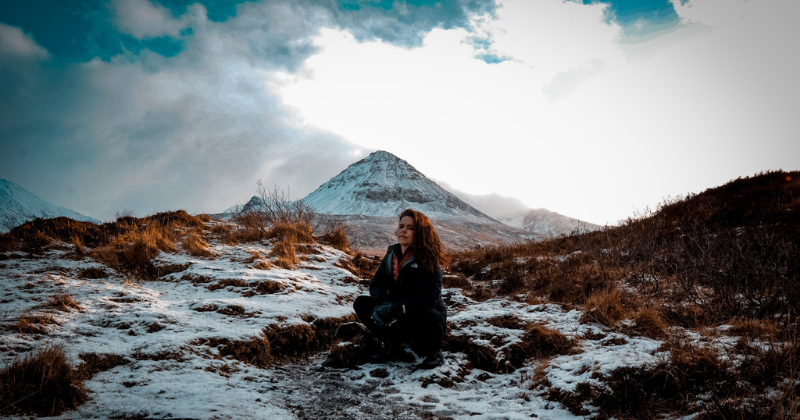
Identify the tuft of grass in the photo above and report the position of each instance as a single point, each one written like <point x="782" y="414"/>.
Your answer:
<point x="133" y="252"/>
<point x="196" y="246"/>
<point x="456" y="281"/>
<point x="94" y="363"/>
<point x="284" y="253"/>
<point x="299" y="232"/>
<point x="606" y="307"/>
<point x="479" y="355"/>
<point x="92" y="273"/>
<point x="279" y="342"/>
<point x="365" y="266"/>
<point x="509" y="321"/>
<point x="648" y="322"/>
<point x="77" y="248"/>
<point x="232" y="310"/>
<point x="262" y="265"/>
<point x="62" y="302"/>
<point x="538" y="342"/>
<point x="268" y="287"/>
<point x="42" y="383"/>
<point x="337" y="239"/>
<point x="673" y="386"/>
<point x="222" y="284"/>
<point x="33" y="324"/>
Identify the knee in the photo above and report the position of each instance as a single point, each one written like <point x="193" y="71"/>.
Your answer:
<point x="362" y="303"/>
<point x="434" y="319"/>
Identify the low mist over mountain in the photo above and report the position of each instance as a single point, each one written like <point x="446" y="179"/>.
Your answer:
<point x="384" y="185"/>
<point x="512" y="212"/>
<point x="548" y="223"/>
<point x="17" y="206"/>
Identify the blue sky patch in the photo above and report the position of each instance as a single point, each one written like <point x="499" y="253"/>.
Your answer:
<point x="639" y="16"/>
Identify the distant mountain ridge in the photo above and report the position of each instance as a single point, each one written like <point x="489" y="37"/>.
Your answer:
<point x="384" y="185"/>
<point x="548" y="223"/>
<point x="512" y="212"/>
<point x="17" y="206"/>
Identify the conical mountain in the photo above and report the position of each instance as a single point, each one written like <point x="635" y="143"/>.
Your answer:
<point x="384" y="185"/>
<point x="17" y="206"/>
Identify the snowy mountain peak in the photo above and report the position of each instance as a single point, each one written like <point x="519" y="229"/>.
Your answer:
<point x="17" y="206"/>
<point x="384" y="185"/>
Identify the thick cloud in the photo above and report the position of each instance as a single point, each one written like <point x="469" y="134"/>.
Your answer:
<point x="576" y="119"/>
<point x="143" y="132"/>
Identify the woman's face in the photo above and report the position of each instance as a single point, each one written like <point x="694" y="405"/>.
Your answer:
<point x="405" y="232"/>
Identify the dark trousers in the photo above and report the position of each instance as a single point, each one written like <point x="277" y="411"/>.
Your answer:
<point x="422" y="330"/>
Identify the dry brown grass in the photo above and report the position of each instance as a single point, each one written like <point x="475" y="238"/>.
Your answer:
<point x="337" y="239"/>
<point x="509" y="321"/>
<point x="33" y="323"/>
<point x="764" y="329"/>
<point x="648" y="322"/>
<point x="456" y="281"/>
<point x="607" y="307"/>
<point x="279" y="342"/>
<point x="241" y="234"/>
<point x="671" y="388"/>
<point x="128" y="244"/>
<point x="133" y="251"/>
<point x="203" y="218"/>
<point x="284" y="252"/>
<point x="77" y="248"/>
<point x="42" y="383"/>
<point x="299" y="232"/>
<point x="538" y="342"/>
<point x="94" y="363"/>
<point x="195" y="246"/>
<point x="268" y="287"/>
<point x="62" y="302"/>
<point x="263" y="265"/>
<point x="480" y="356"/>
<point x="224" y="283"/>
<point x="364" y="266"/>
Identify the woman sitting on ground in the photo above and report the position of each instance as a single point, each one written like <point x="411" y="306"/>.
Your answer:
<point x="405" y="304"/>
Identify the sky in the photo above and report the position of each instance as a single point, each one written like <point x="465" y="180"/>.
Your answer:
<point x="593" y="109"/>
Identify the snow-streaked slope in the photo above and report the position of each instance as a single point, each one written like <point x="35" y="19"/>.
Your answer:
<point x="384" y="185"/>
<point x="158" y="328"/>
<point x="548" y="223"/>
<point x="17" y="206"/>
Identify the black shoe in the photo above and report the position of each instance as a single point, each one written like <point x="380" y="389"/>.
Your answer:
<point x="431" y="361"/>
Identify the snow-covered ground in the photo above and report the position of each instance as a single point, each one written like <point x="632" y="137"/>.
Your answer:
<point x="157" y="327"/>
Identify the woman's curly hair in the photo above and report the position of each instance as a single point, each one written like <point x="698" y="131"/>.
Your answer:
<point x="428" y="248"/>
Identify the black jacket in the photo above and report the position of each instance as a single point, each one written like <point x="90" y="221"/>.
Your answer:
<point x="415" y="289"/>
